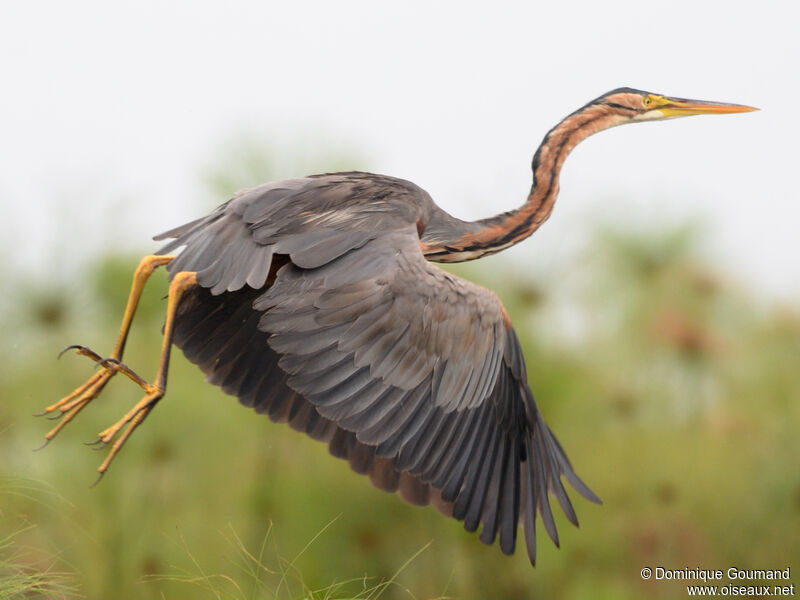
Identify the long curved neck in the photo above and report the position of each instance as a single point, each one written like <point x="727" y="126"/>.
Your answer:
<point x="447" y="239"/>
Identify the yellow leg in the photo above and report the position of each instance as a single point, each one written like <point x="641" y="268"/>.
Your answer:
<point x="146" y="267"/>
<point x="154" y="392"/>
<point x="69" y="406"/>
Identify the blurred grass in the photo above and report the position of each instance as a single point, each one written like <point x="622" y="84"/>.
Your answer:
<point x="675" y="395"/>
<point x="28" y="572"/>
<point x="279" y="577"/>
<point x="674" y="391"/>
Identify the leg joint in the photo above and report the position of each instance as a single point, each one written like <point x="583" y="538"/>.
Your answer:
<point x="183" y="280"/>
<point x="149" y="263"/>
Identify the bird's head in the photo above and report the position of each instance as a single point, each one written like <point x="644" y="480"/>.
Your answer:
<point x="632" y="105"/>
<point x="620" y="106"/>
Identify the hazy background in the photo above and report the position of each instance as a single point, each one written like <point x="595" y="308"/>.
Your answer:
<point x="106" y="103"/>
<point x="659" y="308"/>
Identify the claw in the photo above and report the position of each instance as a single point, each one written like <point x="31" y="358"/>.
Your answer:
<point x="96" y="481"/>
<point x="83" y="351"/>
<point x="99" y="443"/>
<point x="46" y="441"/>
<point x="68" y="348"/>
<point x="55" y="416"/>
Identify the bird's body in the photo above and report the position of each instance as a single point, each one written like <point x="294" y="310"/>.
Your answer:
<point x="411" y="374"/>
<point x="314" y="301"/>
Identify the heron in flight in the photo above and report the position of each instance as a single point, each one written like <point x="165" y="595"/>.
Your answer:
<point x="315" y="301"/>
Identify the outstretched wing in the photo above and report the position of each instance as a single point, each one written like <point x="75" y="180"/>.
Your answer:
<point x="414" y="375"/>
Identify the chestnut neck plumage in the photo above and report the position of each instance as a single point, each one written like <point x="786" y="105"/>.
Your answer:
<point x="447" y="239"/>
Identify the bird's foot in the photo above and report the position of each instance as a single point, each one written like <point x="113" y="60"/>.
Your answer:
<point x="130" y="421"/>
<point x="68" y="407"/>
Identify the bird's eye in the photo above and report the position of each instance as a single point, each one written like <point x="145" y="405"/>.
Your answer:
<point x="648" y="101"/>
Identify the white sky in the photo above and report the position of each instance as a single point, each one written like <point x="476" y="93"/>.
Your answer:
<point x="107" y="102"/>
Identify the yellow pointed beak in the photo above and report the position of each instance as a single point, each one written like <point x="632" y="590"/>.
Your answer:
<point x="680" y="107"/>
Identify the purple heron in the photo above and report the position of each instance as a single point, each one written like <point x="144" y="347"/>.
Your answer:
<point x="314" y="301"/>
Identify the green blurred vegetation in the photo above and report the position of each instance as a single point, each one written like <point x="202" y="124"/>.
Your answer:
<point x="674" y="391"/>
